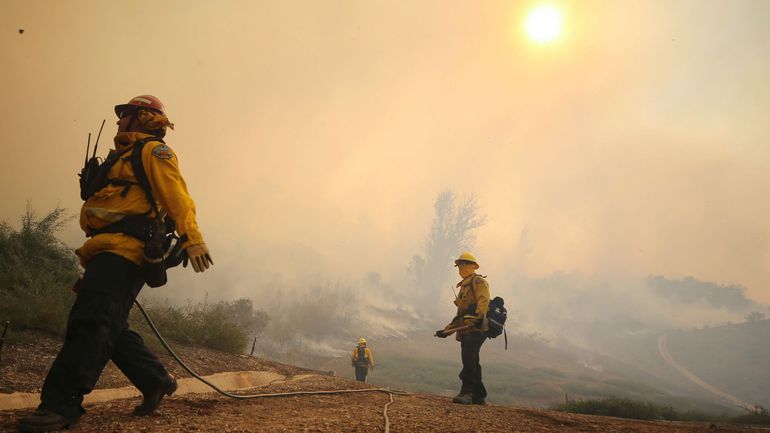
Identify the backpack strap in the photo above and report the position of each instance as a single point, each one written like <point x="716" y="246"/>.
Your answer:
<point x="473" y="289"/>
<point x="141" y="175"/>
<point x="484" y="318"/>
<point x="131" y="225"/>
<point x="473" y="284"/>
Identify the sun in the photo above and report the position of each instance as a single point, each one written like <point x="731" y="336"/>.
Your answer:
<point x="543" y="24"/>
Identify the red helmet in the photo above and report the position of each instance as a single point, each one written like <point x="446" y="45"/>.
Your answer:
<point x="143" y="101"/>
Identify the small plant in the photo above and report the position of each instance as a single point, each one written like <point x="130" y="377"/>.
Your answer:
<point x="618" y="407"/>
<point x="36" y="273"/>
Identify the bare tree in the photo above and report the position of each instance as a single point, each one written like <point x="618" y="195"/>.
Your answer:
<point x="452" y="232"/>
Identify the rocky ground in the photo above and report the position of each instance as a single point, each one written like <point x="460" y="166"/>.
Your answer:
<point x="24" y="363"/>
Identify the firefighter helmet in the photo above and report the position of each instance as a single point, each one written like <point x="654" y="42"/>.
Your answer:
<point x="465" y="258"/>
<point x="142" y="101"/>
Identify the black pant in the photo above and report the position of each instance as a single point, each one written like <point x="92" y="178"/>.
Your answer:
<point x="97" y="331"/>
<point x="470" y="345"/>
<point x="361" y="372"/>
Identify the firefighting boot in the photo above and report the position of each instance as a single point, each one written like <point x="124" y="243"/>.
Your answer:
<point x="152" y="399"/>
<point x="479" y="400"/>
<point x="463" y="398"/>
<point x="44" y="420"/>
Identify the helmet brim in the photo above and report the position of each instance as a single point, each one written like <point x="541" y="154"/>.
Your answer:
<point x="120" y="108"/>
<point x="123" y="107"/>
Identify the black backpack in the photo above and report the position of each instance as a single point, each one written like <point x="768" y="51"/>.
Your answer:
<point x="361" y="358"/>
<point x="496" y="315"/>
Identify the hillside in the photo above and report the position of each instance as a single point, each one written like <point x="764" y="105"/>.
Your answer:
<point x="25" y="362"/>
<point x="733" y="358"/>
<point x="531" y="372"/>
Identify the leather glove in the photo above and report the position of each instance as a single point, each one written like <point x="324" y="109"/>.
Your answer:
<point x="440" y="334"/>
<point x="199" y="257"/>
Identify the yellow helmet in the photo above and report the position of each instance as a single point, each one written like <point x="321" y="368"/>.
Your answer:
<point x="362" y="340"/>
<point x="466" y="257"/>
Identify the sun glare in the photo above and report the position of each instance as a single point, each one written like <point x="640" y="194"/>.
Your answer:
<point x="543" y="24"/>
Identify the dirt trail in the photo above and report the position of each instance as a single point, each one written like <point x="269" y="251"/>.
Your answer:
<point x="666" y="355"/>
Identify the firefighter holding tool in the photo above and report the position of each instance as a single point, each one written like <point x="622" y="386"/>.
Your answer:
<point x="469" y="327"/>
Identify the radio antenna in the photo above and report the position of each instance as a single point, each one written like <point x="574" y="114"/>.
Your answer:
<point x="88" y="147"/>
<point x="99" y="135"/>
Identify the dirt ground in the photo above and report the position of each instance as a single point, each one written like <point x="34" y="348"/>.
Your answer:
<point x="26" y="361"/>
<point x="24" y="364"/>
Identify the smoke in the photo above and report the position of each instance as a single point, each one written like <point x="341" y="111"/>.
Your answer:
<point x="589" y="310"/>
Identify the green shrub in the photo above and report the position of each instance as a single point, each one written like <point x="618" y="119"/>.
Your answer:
<point x="618" y="407"/>
<point x="36" y="273"/>
<point x="760" y="415"/>
<point x="225" y="325"/>
<point x="625" y="408"/>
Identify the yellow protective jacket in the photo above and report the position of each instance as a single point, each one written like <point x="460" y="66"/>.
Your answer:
<point x="368" y="354"/>
<point x="472" y="303"/>
<point x="110" y="204"/>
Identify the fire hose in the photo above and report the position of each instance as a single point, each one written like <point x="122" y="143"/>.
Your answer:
<point x="390" y="392"/>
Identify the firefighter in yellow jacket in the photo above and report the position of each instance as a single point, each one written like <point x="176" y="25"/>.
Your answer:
<point x="114" y="217"/>
<point x="470" y="326"/>
<point x="362" y="359"/>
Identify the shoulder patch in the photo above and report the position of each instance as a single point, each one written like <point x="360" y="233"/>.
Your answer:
<point x="162" y="151"/>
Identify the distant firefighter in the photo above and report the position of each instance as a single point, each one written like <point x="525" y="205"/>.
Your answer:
<point x="362" y="359"/>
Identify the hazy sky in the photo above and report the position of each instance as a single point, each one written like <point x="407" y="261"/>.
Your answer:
<point x="315" y="136"/>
